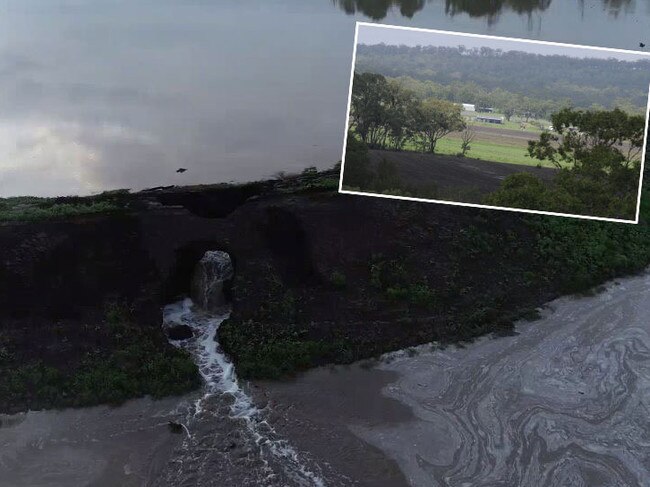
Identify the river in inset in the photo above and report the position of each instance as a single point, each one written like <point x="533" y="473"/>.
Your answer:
<point x="98" y="95"/>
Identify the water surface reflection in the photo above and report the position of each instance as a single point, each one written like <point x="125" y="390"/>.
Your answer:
<point x="104" y="95"/>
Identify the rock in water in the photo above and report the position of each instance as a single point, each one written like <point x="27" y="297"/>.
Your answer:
<point x="179" y="332"/>
<point x="211" y="273"/>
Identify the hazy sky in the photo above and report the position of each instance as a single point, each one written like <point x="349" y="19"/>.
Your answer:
<point x="370" y="34"/>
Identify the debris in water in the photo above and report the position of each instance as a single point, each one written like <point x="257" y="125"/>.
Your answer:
<point x="175" y="427"/>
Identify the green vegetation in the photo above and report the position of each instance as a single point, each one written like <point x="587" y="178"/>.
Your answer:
<point x="133" y="361"/>
<point x="582" y="254"/>
<point x="402" y="99"/>
<point x="386" y="116"/>
<point x="535" y="84"/>
<point x="32" y="209"/>
<point x="597" y="153"/>
<point x="396" y="283"/>
<point x="487" y="151"/>
<point x="263" y="353"/>
<point x="137" y="369"/>
<point x="309" y="180"/>
<point x="531" y="255"/>
<point x="504" y="104"/>
<point x="338" y="279"/>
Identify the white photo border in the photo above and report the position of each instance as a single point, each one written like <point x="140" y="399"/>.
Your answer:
<point x="473" y="205"/>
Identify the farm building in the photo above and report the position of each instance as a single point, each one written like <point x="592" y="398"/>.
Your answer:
<point x="485" y="109"/>
<point x="489" y="119"/>
<point x="469" y="107"/>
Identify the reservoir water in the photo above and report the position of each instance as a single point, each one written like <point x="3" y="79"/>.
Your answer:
<point x="98" y="95"/>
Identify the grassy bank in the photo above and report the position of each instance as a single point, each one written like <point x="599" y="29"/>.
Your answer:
<point x="320" y="278"/>
<point x="108" y="362"/>
<point x="490" y="151"/>
<point x="31" y="208"/>
<point x="448" y="296"/>
<point x="59" y="345"/>
<point x="485" y="151"/>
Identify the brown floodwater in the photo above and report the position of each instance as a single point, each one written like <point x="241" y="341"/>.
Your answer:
<point x="564" y="401"/>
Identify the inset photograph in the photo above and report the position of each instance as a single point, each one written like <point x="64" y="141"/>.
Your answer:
<point x="493" y="122"/>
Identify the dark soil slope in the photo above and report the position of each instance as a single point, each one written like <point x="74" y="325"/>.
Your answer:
<point x="319" y="277"/>
<point x="451" y="172"/>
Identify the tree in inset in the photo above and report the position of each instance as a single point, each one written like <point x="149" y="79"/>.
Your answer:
<point x="466" y="138"/>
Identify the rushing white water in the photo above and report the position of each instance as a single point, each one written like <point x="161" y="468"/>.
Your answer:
<point x="221" y="384"/>
<point x="212" y="271"/>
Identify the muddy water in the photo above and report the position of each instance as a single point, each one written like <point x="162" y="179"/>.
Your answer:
<point x="216" y="437"/>
<point x="105" y="95"/>
<point x="99" y="446"/>
<point x="225" y="438"/>
<point x="565" y="402"/>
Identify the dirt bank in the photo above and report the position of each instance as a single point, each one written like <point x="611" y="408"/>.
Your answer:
<point x="451" y="173"/>
<point x="319" y="277"/>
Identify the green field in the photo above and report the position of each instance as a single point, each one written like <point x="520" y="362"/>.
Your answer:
<point x="490" y="151"/>
<point x="487" y="151"/>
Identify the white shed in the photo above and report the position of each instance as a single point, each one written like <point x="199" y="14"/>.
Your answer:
<point x="469" y="107"/>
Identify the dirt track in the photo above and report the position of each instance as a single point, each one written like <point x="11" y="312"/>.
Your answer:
<point x="451" y="172"/>
<point x="500" y="135"/>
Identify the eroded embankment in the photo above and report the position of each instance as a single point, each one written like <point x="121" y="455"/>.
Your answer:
<point x="319" y="277"/>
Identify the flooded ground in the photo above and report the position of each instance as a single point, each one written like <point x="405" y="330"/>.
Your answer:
<point x="101" y="446"/>
<point x="564" y="402"/>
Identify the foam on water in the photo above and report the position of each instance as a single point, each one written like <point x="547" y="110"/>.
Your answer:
<point x="561" y="402"/>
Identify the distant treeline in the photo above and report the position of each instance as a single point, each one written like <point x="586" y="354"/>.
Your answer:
<point x="378" y="9"/>
<point x="506" y="102"/>
<point x="489" y="9"/>
<point x="490" y="77"/>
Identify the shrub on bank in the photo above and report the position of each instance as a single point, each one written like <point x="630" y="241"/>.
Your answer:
<point x="134" y="362"/>
<point x="535" y="255"/>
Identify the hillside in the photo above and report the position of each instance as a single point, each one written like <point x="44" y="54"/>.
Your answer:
<point x="319" y="277"/>
<point x="470" y="75"/>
